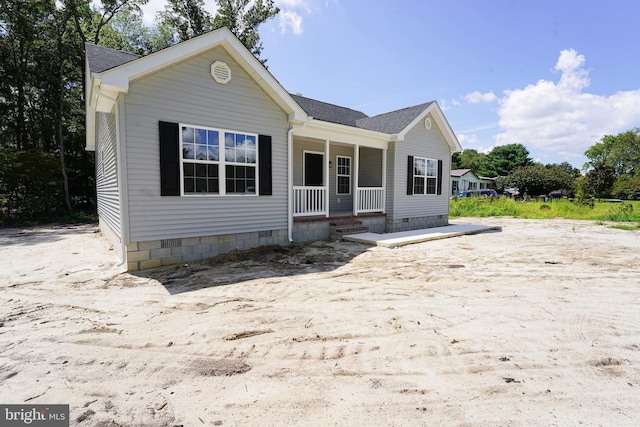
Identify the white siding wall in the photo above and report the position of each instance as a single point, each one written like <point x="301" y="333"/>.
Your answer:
<point x="108" y="197"/>
<point x="186" y="93"/>
<point x="431" y="144"/>
<point x="370" y="167"/>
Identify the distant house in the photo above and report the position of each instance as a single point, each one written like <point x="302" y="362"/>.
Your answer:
<point x="200" y="151"/>
<point x="466" y="179"/>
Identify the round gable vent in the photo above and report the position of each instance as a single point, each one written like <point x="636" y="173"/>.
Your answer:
<point x="427" y="123"/>
<point x="220" y="72"/>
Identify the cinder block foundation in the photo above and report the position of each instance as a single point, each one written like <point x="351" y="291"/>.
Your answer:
<point x="157" y="253"/>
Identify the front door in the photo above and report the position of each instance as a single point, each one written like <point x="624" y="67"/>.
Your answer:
<point x="313" y="169"/>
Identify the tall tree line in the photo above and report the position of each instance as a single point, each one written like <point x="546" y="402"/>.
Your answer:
<point x="45" y="172"/>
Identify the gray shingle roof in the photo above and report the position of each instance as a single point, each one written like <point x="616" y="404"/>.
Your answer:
<point x="103" y="58"/>
<point x="328" y="112"/>
<point x="393" y="122"/>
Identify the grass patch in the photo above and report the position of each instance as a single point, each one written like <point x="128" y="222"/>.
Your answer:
<point x="626" y="227"/>
<point x="602" y="211"/>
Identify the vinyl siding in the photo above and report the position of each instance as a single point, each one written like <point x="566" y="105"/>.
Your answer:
<point x="420" y="142"/>
<point x="186" y="93"/>
<point x="108" y="196"/>
<point x="370" y="167"/>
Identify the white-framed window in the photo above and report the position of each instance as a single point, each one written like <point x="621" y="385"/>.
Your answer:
<point x="217" y="161"/>
<point x="343" y="175"/>
<point x="425" y="176"/>
<point x="454" y="187"/>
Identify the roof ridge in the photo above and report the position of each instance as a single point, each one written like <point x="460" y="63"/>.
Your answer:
<point x="424" y="104"/>
<point x="327" y="103"/>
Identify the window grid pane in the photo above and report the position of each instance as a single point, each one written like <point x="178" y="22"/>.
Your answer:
<point x="200" y="178"/>
<point x="201" y="155"/>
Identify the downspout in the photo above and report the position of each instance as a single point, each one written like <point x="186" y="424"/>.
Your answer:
<point x="290" y="183"/>
<point x="122" y="182"/>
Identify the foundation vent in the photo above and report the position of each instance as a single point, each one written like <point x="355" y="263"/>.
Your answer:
<point x="221" y="72"/>
<point x="170" y="243"/>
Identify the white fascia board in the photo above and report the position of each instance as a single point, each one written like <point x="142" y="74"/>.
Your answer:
<point x="341" y="133"/>
<point x="118" y="78"/>
<point x="441" y="122"/>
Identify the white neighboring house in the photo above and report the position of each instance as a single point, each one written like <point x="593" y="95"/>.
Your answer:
<point x="200" y="151"/>
<point x="466" y="179"/>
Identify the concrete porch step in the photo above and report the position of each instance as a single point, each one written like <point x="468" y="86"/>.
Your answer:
<point x="352" y="230"/>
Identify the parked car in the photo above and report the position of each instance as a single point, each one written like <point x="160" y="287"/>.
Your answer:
<point x="511" y="192"/>
<point x="486" y="192"/>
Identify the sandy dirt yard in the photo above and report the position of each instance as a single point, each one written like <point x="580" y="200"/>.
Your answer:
<point x="538" y="324"/>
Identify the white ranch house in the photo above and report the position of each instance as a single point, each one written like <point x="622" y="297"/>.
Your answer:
<point x="200" y="151"/>
<point x="466" y="179"/>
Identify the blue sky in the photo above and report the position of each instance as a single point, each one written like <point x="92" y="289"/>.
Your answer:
<point x="554" y="76"/>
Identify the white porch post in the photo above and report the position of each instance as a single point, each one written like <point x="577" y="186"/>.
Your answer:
<point x="384" y="180"/>
<point x="327" y="160"/>
<point x="356" y="172"/>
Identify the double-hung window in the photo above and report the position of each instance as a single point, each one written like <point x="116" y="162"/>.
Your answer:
<point x="217" y="161"/>
<point x="343" y="175"/>
<point x="425" y="176"/>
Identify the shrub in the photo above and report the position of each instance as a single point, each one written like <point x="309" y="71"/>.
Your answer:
<point x="626" y="188"/>
<point x="622" y="212"/>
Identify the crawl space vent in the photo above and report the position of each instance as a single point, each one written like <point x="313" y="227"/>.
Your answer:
<point x="220" y="72"/>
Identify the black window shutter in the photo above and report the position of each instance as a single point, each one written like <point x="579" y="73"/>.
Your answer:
<point x="264" y="164"/>
<point x="439" y="177"/>
<point x="169" y="159"/>
<point x="410" y="177"/>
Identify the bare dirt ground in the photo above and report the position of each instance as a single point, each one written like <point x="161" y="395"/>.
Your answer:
<point x="536" y="325"/>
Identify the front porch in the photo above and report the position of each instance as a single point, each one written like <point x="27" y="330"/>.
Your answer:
<point x="336" y="179"/>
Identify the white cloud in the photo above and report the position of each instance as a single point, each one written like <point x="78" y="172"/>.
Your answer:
<point x="562" y="119"/>
<point x="290" y="20"/>
<point x="292" y="4"/>
<point x="468" y="138"/>
<point x="477" y="97"/>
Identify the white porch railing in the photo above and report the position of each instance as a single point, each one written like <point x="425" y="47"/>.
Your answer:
<point x="370" y="199"/>
<point x="309" y="201"/>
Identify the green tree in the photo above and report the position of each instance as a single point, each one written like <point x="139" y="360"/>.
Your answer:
<point x="626" y="188"/>
<point x="600" y="179"/>
<point x="566" y="167"/>
<point x="468" y="159"/>
<point x="621" y="152"/>
<point x="243" y="17"/>
<point x="127" y="32"/>
<point x="186" y="18"/>
<point x="503" y="159"/>
<point x="536" y="180"/>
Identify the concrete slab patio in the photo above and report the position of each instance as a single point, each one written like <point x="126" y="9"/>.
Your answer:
<point x="402" y="238"/>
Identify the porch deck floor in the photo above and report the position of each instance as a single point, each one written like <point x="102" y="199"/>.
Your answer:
<point x="392" y="240"/>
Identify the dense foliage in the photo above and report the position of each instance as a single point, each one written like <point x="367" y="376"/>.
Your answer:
<point x="44" y="169"/>
<point x="615" y="166"/>
<point x="536" y="180"/>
